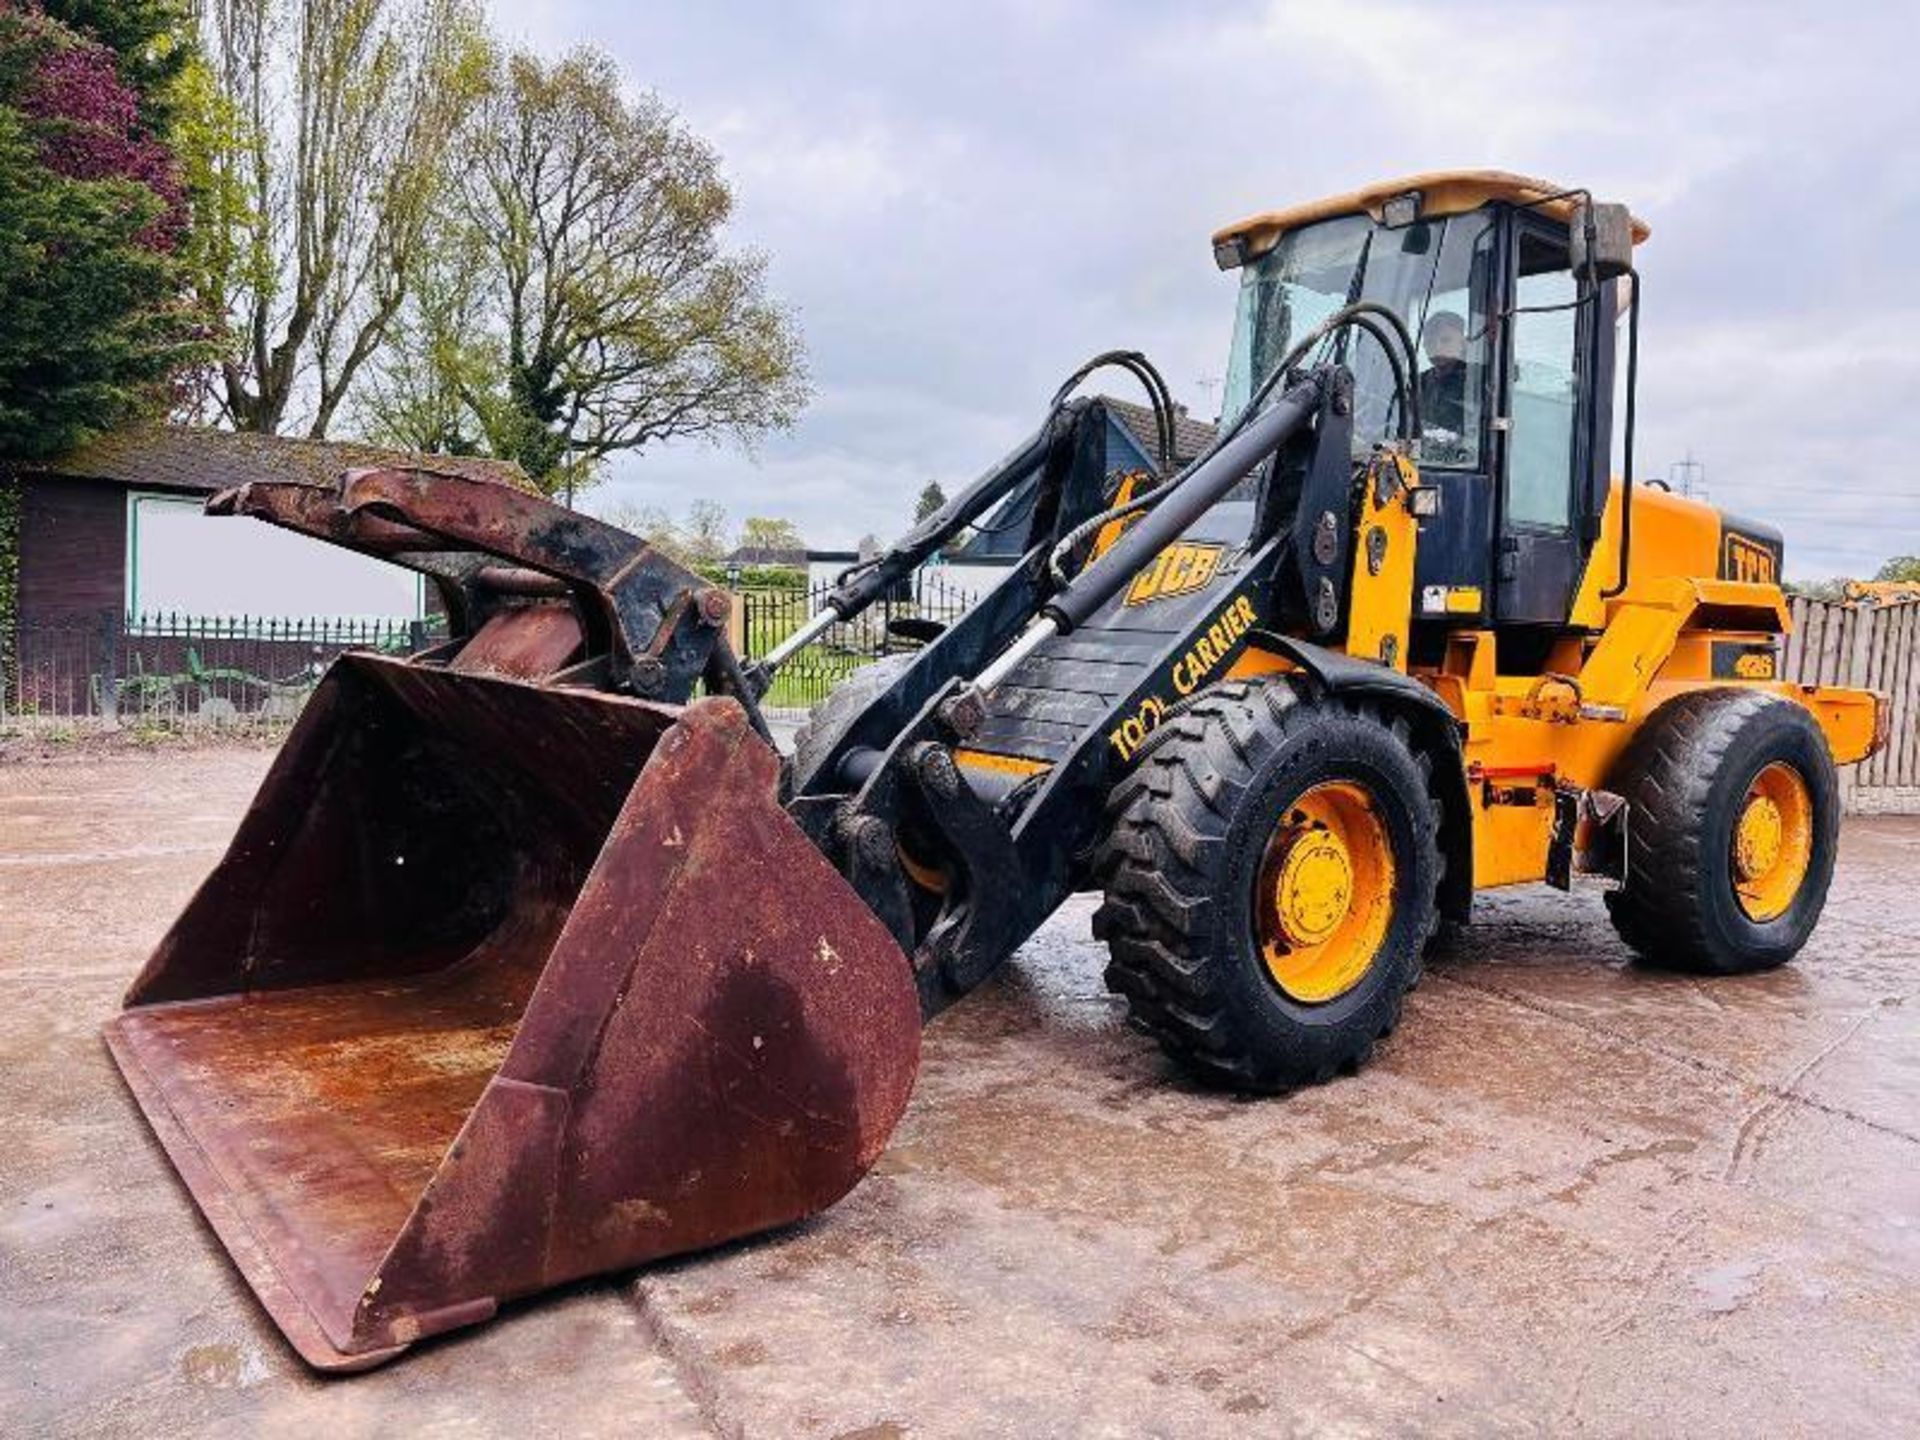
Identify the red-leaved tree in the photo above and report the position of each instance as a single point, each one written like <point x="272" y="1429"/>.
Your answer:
<point x="93" y="327"/>
<point x="88" y="123"/>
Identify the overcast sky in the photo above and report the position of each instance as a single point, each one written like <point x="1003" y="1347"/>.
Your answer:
<point x="962" y="201"/>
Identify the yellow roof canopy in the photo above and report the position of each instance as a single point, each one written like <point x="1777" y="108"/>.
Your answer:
<point x="1442" y="192"/>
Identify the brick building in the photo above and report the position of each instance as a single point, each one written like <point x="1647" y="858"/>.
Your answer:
<point x="114" y="529"/>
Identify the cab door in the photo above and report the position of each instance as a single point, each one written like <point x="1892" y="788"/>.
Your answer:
<point x="1543" y="408"/>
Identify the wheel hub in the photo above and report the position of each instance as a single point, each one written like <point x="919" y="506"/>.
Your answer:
<point x="1757" y="840"/>
<point x="1324" y="897"/>
<point x="1314" y="887"/>
<point x="1772" y="842"/>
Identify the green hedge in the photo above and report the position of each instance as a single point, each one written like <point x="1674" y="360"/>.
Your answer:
<point x="756" y="577"/>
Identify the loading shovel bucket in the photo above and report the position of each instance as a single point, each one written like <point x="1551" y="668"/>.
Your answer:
<point x="501" y="985"/>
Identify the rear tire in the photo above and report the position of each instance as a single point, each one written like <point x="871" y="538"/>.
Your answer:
<point x="1734" y="818"/>
<point x="1193" y="887"/>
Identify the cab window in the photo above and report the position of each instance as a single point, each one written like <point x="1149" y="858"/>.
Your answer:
<point x="1544" y="386"/>
<point x="1450" y="329"/>
<point x="1432" y="273"/>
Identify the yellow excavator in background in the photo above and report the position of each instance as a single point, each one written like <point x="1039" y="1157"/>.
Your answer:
<point x="1882" y="592"/>
<point x="526" y="964"/>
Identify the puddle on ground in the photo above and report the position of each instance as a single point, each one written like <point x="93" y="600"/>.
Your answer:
<point x="224" y="1367"/>
<point x="1725" y="1288"/>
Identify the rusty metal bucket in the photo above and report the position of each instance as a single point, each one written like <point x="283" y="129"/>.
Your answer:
<point x="501" y="985"/>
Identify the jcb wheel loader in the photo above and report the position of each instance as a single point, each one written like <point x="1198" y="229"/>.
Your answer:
<point x="526" y="964"/>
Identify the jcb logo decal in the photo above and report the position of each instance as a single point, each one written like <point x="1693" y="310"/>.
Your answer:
<point x="1749" y="560"/>
<point x="1179" y="569"/>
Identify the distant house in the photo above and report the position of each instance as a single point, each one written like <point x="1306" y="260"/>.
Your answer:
<point x="763" y="557"/>
<point x="115" y="529"/>
<point x="1132" y="445"/>
<point x="1190" y="436"/>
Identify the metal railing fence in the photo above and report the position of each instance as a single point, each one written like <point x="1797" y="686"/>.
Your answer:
<point x="177" y="671"/>
<point x="172" y="671"/>
<point x="770" y="615"/>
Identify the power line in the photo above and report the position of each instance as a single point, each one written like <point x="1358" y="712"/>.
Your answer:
<point x="1689" y="477"/>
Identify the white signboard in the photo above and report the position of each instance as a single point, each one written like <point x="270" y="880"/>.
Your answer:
<point x="183" y="562"/>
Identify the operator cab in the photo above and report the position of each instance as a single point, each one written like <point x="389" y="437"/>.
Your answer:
<point x="1516" y="364"/>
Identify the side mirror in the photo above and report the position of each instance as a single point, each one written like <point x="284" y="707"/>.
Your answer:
<point x="1602" y="241"/>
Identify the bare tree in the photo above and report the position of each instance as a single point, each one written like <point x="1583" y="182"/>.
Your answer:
<point x="704" y="532"/>
<point x="700" y="538"/>
<point x="338" y="118"/>
<point x="610" y="314"/>
<point x="415" y="395"/>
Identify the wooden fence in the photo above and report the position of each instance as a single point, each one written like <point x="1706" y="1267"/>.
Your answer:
<point x="1878" y="647"/>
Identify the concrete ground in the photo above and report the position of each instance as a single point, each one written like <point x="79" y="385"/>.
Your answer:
<point x="1568" y="1196"/>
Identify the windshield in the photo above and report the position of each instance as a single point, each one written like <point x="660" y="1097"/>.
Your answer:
<point x="1427" y="272"/>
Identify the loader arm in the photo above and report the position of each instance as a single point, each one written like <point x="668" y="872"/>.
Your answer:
<point x="992" y="764"/>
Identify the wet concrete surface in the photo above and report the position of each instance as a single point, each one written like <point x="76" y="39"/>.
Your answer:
<point x="1569" y="1195"/>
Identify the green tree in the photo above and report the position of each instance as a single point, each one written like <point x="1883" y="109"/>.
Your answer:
<point x="416" y="394"/>
<point x="932" y="497"/>
<point x="91" y="331"/>
<point x="1900" y="567"/>
<point x="590" y="307"/>
<point x="760" y="532"/>
<point x="1832" y="589"/>
<point x="152" y="38"/>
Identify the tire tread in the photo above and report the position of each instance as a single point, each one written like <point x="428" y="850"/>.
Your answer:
<point x="1169" y="819"/>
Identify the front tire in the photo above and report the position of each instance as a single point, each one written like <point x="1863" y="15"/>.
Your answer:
<point x="1271" y="878"/>
<point x="830" y="720"/>
<point x="1733" y="822"/>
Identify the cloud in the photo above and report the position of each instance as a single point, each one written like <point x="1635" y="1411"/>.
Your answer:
<point x="962" y="202"/>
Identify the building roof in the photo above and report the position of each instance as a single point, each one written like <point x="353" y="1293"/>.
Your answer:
<point x="202" y="460"/>
<point x="1442" y="192"/>
<point x="1190" y="436"/>
<point x="797" y="556"/>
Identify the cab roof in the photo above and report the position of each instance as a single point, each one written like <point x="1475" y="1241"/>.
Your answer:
<point x="1442" y="192"/>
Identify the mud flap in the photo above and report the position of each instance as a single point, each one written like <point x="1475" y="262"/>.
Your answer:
<point x="503" y="985"/>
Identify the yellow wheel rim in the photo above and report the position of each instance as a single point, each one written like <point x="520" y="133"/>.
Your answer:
<point x="1772" y="842"/>
<point x="1324" y="897"/>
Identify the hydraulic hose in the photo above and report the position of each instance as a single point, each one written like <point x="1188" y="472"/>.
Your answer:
<point x="859" y="585"/>
<point x="1203" y="485"/>
<point x="1057" y="557"/>
<point x="856" y="586"/>
<point x="1198" y="491"/>
<point x="1379" y="321"/>
<point x="1159" y="397"/>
